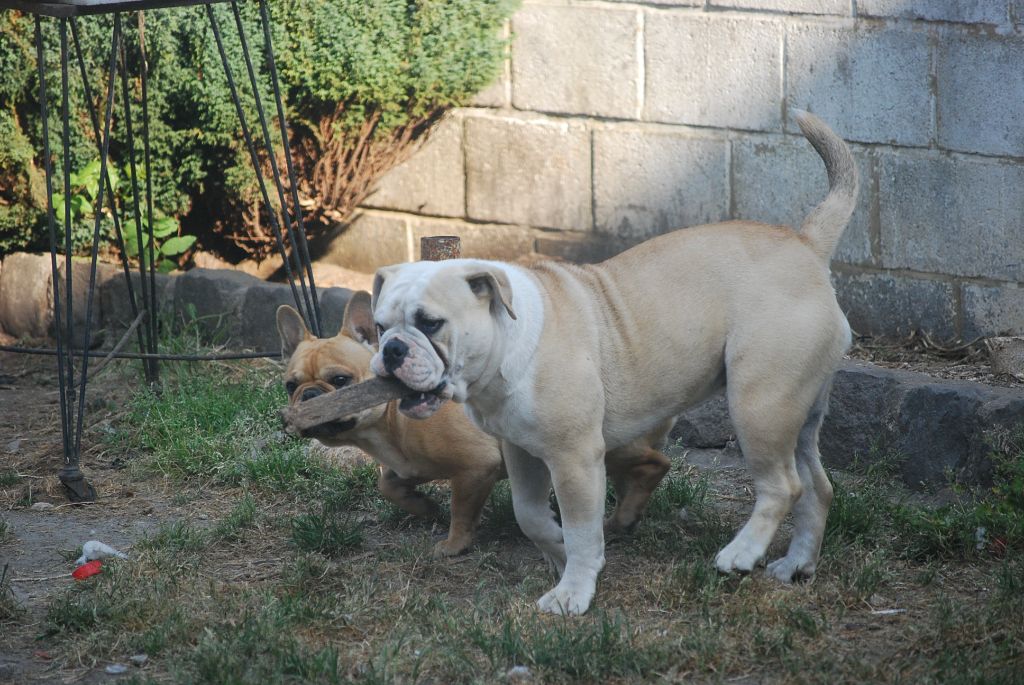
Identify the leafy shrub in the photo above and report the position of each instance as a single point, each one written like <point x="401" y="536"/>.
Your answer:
<point x="363" y="81"/>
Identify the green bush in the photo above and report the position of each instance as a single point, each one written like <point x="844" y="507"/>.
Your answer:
<point x="362" y="79"/>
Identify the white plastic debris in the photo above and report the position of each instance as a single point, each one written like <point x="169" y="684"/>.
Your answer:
<point x="979" y="538"/>
<point x="116" y="669"/>
<point x="94" y="549"/>
<point x="138" y="659"/>
<point x="519" y="674"/>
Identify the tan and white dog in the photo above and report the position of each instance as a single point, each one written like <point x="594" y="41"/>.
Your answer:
<point x="565" y="362"/>
<point x="447" y="446"/>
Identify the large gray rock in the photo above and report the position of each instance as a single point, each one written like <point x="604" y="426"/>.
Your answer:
<point x="935" y="430"/>
<point x="26" y="295"/>
<point x="213" y="299"/>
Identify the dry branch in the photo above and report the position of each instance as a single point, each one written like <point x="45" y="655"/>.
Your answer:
<point x="336" y="405"/>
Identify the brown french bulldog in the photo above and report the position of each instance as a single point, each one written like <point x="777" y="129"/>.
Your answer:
<point x="447" y="446"/>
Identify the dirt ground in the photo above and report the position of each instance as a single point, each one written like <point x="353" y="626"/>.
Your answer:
<point x="42" y="540"/>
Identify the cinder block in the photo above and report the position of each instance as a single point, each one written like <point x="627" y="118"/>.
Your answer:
<point x="948" y="215"/>
<point x="580" y="248"/>
<point x="780" y="181"/>
<point x="980" y="91"/>
<point x="575" y="60"/>
<point x="528" y="172"/>
<point x="869" y="85"/>
<point x="713" y="71"/>
<point x="667" y="3"/>
<point x="893" y="305"/>
<point x="370" y="241"/>
<point x="993" y="310"/>
<point x="479" y="241"/>
<point x="841" y="7"/>
<point x="966" y="11"/>
<point x="648" y="182"/>
<point x="432" y="181"/>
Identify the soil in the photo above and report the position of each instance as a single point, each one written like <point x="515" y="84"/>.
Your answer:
<point x="40" y="548"/>
<point x="968" y="362"/>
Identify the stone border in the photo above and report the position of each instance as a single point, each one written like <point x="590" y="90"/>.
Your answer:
<point x="935" y="429"/>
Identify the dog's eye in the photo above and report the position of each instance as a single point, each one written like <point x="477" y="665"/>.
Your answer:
<point x="341" y="381"/>
<point x="428" y="326"/>
<point x="290" y="387"/>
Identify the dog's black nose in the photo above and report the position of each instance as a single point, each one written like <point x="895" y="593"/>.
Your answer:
<point x="310" y="393"/>
<point x="394" y="354"/>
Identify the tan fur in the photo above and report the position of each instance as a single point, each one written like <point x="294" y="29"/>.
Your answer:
<point x="446" y="446"/>
<point x="600" y="356"/>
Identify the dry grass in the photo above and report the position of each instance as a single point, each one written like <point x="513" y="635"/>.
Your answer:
<point x="286" y="569"/>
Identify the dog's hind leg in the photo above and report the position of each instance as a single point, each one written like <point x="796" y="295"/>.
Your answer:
<point x="767" y="421"/>
<point x="635" y="470"/>
<point x="530" y="481"/>
<point x="403" y="494"/>
<point x="811" y="510"/>
<point x="470" y="489"/>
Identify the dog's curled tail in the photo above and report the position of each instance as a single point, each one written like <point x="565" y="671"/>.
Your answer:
<point x="825" y="224"/>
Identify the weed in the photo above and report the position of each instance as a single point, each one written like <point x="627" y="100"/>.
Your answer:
<point x="241" y="517"/>
<point x="595" y="649"/>
<point x="327" y="532"/>
<point x="856" y="514"/>
<point x="9" y="477"/>
<point x="176" y="537"/>
<point x="5" y="529"/>
<point x="10" y="607"/>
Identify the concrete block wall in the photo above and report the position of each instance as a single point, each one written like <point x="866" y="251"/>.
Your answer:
<point x="616" y="121"/>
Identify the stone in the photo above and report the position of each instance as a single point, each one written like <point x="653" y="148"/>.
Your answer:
<point x="780" y="180"/>
<point x="651" y="182"/>
<point x="532" y="172"/>
<point x="1006" y="354"/>
<point x="931" y="207"/>
<point x="212" y="299"/>
<point x="869" y="85"/>
<point x="258" y="315"/>
<point x="992" y="310"/>
<point x="595" y="76"/>
<point x="80" y="286"/>
<point x="706" y="425"/>
<point x="841" y="7"/>
<point x="934" y="431"/>
<point x="432" y="180"/>
<point x="713" y="71"/>
<point x="116" y="304"/>
<point x="980" y="86"/>
<point x="894" y="305"/>
<point x="966" y="11"/>
<point x="41" y="506"/>
<point x="26" y="295"/>
<point x="578" y="248"/>
<point x="332" y="309"/>
<point x="371" y="240"/>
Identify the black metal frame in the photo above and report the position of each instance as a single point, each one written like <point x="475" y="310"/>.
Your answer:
<point x="295" y="262"/>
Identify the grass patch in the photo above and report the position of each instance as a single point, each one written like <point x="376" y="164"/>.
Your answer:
<point x="10" y="607"/>
<point x="8" y="478"/>
<point x="267" y="586"/>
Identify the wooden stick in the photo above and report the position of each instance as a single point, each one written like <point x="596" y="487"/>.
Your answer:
<point x="336" y="405"/>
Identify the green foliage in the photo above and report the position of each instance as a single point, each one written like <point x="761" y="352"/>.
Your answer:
<point x="346" y="66"/>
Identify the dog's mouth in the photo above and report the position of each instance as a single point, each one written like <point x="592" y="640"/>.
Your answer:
<point x="330" y="429"/>
<point x="421" y="405"/>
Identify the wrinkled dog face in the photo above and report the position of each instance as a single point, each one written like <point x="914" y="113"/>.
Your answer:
<point x="437" y="323"/>
<point x="321" y="365"/>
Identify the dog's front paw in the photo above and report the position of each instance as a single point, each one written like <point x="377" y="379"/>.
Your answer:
<point x="450" y="547"/>
<point x="567" y="599"/>
<point x="738" y="557"/>
<point x="789" y="569"/>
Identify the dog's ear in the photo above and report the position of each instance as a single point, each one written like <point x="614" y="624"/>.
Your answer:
<point x="358" y="319"/>
<point x="378" y="283"/>
<point x="292" y="330"/>
<point x="493" y="284"/>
